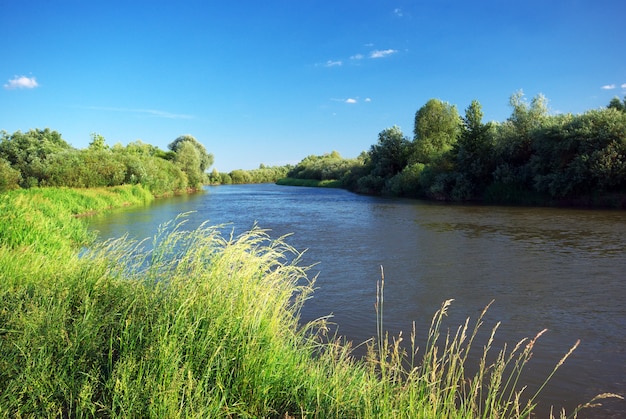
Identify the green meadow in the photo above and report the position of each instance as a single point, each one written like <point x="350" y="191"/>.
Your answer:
<point x="195" y="323"/>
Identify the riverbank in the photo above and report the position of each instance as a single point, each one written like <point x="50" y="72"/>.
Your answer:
<point x="314" y="183"/>
<point x="198" y="324"/>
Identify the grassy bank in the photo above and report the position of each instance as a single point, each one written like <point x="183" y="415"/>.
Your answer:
<point x="45" y="219"/>
<point x="196" y="324"/>
<point x="289" y="181"/>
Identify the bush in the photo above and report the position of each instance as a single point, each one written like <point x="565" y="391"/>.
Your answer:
<point x="9" y="177"/>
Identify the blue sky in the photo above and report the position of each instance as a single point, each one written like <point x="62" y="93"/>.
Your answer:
<point x="274" y="81"/>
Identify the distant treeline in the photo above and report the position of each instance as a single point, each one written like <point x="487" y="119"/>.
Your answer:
<point x="532" y="158"/>
<point x="264" y="174"/>
<point x="40" y="158"/>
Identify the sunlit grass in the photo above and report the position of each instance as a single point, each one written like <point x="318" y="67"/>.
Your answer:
<point x="196" y="323"/>
<point x="288" y="181"/>
<point x="45" y="219"/>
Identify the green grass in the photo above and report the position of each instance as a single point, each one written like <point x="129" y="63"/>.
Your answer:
<point x="46" y="219"/>
<point x="289" y="181"/>
<point x="193" y="323"/>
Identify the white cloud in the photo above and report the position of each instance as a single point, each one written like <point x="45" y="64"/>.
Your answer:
<point x="21" y="82"/>
<point x="623" y="86"/>
<point x="331" y="63"/>
<point x="608" y="87"/>
<point x="357" y="57"/>
<point x="382" y="53"/>
<point x="398" y="12"/>
<point x="350" y="100"/>
<point x="367" y="99"/>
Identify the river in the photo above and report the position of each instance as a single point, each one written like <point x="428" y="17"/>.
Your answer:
<point x="560" y="269"/>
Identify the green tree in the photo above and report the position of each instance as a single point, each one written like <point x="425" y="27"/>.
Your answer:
<point x="28" y="152"/>
<point x="205" y="159"/>
<point x="436" y="130"/>
<point x="473" y="154"/>
<point x="514" y="140"/>
<point x="580" y="155"/>
<point x="97" y="142"/>
<point x="189" y="160"/>
<point x="617" y="104"/>
<point x="9" y="177"/>
<point x="390" y="154"/>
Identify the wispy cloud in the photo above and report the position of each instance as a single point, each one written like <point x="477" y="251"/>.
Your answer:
<point x="375" y="54"/>
<point x="21" y="82"/>
<point x="623" y="86"/>
<point x="609" y="87"/>
<point x="382" y="53"/>
<point x="351" y="100"/>
<point x="398" y="12"/>
<point x="148" y="112"/>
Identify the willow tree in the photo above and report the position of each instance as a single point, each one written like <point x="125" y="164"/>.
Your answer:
<point x="192" y="158"/>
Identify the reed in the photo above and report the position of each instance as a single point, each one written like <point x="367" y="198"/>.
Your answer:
<point x="199" y="323"/>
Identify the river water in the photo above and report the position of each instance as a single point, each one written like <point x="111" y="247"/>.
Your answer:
<point x="560" y="269"/>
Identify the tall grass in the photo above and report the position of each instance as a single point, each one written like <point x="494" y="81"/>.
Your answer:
<point x="45" y="219"/>
<point x="195" y="323"/>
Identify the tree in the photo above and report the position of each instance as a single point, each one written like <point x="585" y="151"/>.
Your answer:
<point x="437" y="127"/>
<point x="618" y="104"/>
<point x="515" y="138"/>
<point x="97" y="142"/>
<point x="9" y="177"/>
<point x="473" y="153"/>
<point x="28" y="152"/>
<point x="189" y="160"/>
<point x="192" y="158"/>
<point x="205" y="159"/>
<point x="527" y="117"/>
<point x="391" y="154"/>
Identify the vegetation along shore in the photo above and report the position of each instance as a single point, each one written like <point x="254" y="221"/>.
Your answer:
<point x="196" y="324"/>
<point x="532" y="158"/>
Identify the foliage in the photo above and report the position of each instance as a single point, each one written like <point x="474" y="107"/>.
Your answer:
<point x="9" y="177"/>
<point x="89" y="168"/>
<point x="28" y="152"/>
<point x="192" y="158"/>
<point x="390" y="154"/>
<point x="330" y="166"/>
<point x="407" y="182"/>
<point x="436" y="130"/>
<point x="532" y="158"/>
<point x="617" y="104"/>
<point x="580" y="155"/>
<point x="43" y="158"/>
<point x="473" y="155"/>
<point x="205" y="158"/>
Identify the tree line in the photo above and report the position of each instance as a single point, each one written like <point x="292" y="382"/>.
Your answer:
<point x="531" y="158"/>
<point x="41" y="157"/>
